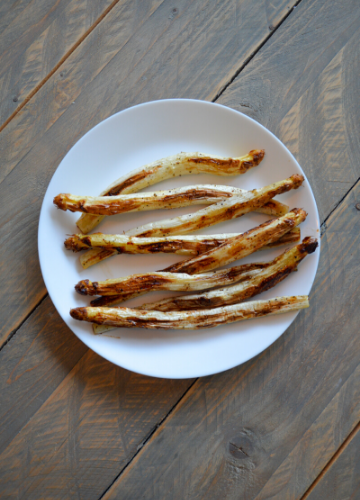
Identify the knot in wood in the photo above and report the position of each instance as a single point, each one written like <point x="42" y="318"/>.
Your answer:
<point x="240" y="447"/>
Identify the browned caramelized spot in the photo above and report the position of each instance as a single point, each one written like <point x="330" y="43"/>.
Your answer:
<point x="86" y="241"/>
<point x="297" y="179"/>
<point x="308" y="245"/>
<point x="174" y="246"/>
<point x="134" y="284"/>
<point x="231" y="163"/>
<point x="146" y="234"/>
<point x="79" y="313"/>
<point x="130" y="182"/>
<point x="104" y="254"/>
<point x="73" y="243"/>
<point x="258" y="155"/>
<point x="197" y="194"/>
<point x="215" y="161"/>
<point x="60" y="201"/>
<point x="83" y="286"/>
<point x="106" y="301"/>
<point x="290" y="237"/>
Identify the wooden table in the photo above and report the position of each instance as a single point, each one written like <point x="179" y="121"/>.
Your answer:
<point x="284" y="425"/>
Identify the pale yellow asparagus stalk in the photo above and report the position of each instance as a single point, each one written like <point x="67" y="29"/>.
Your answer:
<point x="124" y="317"/>
<point x="172" y="166"/>
<point x="230" y="251"/>
<point x="219" y="212"/>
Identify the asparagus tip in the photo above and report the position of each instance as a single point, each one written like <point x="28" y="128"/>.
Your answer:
<point x="82" y="287"/>
<point x="78" y="313"/>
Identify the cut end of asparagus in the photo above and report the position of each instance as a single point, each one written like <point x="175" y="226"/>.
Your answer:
<point x="256" y="156"/>
<point x="308" y="245"/>
<point x="60" y="201"/>
<point x="82" y="287"/>
<point x="297" y="179"/>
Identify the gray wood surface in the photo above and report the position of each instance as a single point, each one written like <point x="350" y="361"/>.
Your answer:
<point x="191" y="50"/>
<point x="70" y="419"/>
<point x="233" y="433"/>
<point x="342" y="479"/>
<point x="35" y="36"/>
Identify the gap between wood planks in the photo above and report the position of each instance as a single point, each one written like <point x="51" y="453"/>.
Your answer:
<point x="57" y="66"/>
<point x="344" y="445"/>
<point x="333" y="459"/>
<point x="251" y="57"/>
<point x="323" y="226"/>
<point x="147" y="438"/>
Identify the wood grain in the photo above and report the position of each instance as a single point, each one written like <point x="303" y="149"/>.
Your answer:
<point x="32" y="365"/>
<point x="70" y="419"/>
<point x="303" y="85"/>
<point x="34" y="37"/>
<point x="134" y="55"/>
<point x="234" y="433"/>
<point x="342" y="480"/>
<point x="317" y="445"/>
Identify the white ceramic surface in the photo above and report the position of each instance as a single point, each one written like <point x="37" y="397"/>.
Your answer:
<point x="127" y="140"/>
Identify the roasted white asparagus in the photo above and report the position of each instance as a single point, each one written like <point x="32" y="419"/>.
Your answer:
<point x="182" y="245"/>
<point x="189" y="320"/>
<point x="242" y="245"/>
<point x="205" y="217"/>
<point x="204" y="194"/>
<point x="198" y="244"/>
<point x="175" y="198"/>
<point x="219" y="212"/>
<point x="172" y="166"/>
<point x="234" y="249"/>
<point x="249" y="284"/>
<point x="178" y="282"/>
<point x="252" y="279"/>
<point x="182" y="282"/>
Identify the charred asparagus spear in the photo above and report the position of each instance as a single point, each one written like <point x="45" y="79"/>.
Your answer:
<point x="188" y="320"/>
<point x="228" y="252"/>
<point x="219" y="212"/>
<point x="251" y="284"/>
<point x="173" y="166"/>
<point x="252" y="280"/>
<point x="255" y="276"/>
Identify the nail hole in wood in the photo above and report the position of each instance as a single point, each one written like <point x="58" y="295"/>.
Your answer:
<point x="357" y="206"/>
<point x="15" y="99"/>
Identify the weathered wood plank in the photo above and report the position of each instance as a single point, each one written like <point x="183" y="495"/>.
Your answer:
<point x="342" y="479"/>
<point x="318" y="444"/>
<point x="34" y="37"/>
<point x="70" y="421"/>
<point x="303" y="85"/>
<point x="32" y="365"/>
<point x="231" y="434"/>
<point x="190" y="50"/>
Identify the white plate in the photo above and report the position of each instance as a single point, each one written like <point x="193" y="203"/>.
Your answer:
<point x="125" y="141"/>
